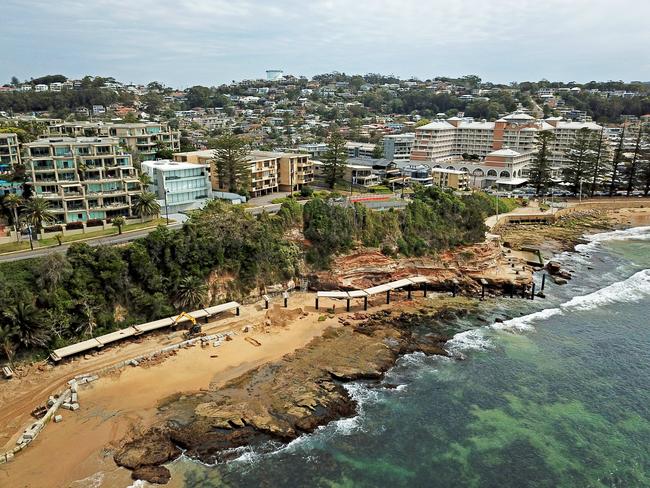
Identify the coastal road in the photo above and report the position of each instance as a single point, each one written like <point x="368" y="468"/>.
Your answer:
<point x="272" y="208"/>
<point x="105" y="241"/>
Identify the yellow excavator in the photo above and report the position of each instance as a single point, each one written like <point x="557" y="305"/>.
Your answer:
<point x="194" y="330"/>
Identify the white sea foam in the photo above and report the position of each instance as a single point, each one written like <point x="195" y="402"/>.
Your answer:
<point x="470" y="340"/>
<point x="136" y="484"/>
<point x="94" y="481"/>
<point x="248" y="455"/>
<point x="634" y="233"/>
<point x="633" y="289"/>
<point x="525" y="322"/>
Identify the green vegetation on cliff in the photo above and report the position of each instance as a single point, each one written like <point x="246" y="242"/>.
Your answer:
<point x="221" y="252"/>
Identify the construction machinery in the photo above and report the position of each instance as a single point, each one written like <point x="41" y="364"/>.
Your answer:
<point x="194" y="330"/>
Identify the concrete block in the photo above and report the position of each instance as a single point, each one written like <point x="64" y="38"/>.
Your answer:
<point x="9" y="456"/>
<point x="28" y="436"/>
<point x="50" y="401"/>
<point x="92" y="378"/>
<point x="74" y="407"/>
<point x="74" y="387"/>
<point x="66" y="406"/>
<point x="3" y="458"/>
<point x="58" y="418"/>
<point x="74" y="398"/>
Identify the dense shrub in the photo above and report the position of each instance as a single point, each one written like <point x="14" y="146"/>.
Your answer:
<point x="74" y="225"/>
<point x="306" y="191"/>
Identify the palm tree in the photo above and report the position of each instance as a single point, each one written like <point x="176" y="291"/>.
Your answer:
<point x="146" y="205"/>
<point x="28" y="323"/>
<point x="12" y="202"/>
<point x="37" y="212"/>
<point x="191" y="293"/>
<point x="145" y="181"/>
<point x="8" y="342"/>
<point x="119" y="222"/>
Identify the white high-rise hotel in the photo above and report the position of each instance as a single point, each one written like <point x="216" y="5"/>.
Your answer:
<point x="499" y="150"/>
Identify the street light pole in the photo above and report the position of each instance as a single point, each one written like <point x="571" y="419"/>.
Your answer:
<point x="29" y="230"/>
<point x="166" y="207"/>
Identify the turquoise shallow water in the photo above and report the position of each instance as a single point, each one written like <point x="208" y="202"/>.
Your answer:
<point x="558" y="397"/>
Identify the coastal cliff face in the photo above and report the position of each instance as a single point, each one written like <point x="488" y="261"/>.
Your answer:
<point x="466" y="265"/>
<point x="285" y="399"/>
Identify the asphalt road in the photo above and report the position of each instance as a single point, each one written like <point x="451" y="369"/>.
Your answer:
<point x="108" y="240"/>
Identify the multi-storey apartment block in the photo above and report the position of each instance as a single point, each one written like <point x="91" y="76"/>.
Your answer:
<point x="270" y="171"/>
<point x="450" y="178"/>
<point x="179" y="186"/>
<point x="360" y="149"/>
<point x="295" y="171"/>
<point x="143" y="137"/>
<point x="83" y="178"/>
<point x="9" y="151"/>
<point x="492" y="150"/>
<point x="398" y="147"/>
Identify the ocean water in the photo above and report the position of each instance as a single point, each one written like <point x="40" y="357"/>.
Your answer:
<point x="557" y="397"/>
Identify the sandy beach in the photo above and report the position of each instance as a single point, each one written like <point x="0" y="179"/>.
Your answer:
<point x="122" y="401"/>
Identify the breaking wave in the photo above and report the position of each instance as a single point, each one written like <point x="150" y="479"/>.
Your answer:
<point x="470" y="340"/>
<point x="525" y="322"/>
<point x="633" y="289"/>
<point x="634" y="233"/>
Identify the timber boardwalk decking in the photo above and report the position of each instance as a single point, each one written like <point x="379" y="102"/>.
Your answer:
<point x="135" y="330"/>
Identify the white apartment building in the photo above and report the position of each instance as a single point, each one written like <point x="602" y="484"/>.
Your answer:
<point x="179" y="186"/>
<point x="508" y="144"/>
<point x="360" y="149"/>
<point x="398" y="147"/>
<point x="83" y="178"/>
<point x="316" y="149"/>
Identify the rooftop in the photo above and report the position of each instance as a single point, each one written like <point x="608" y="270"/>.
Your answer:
<point x="167" y="165"/>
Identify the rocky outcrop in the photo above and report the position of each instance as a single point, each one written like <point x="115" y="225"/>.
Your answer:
<point x="282" y="400"/>
<point x="464" y="268"/>
<point x="145" y="455"/>
<point x="555" y="270"/>
<point x="153" y="474"/>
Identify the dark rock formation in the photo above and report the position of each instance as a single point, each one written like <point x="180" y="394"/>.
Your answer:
<point x="152" y="474"/>
<point x="282" y="400"/>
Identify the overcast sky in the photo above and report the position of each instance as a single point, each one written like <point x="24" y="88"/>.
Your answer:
<point x="188" y="42"/>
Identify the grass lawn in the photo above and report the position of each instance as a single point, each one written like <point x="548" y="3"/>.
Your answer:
<point x="14" y="246"/>
<point x="144" y="225"/>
